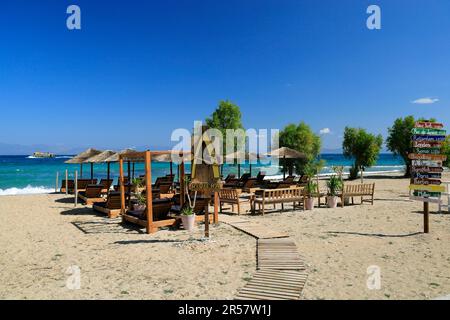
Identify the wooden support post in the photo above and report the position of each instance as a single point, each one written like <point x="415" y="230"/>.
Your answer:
<point x="129" y="172"/>
<point x="81" y="171"/>
<point x="216" y="207"/>
<point x="122" y="188"/>
<point x="148" y="184"/>
<point x="207" y="220"/>
<point x="426" y="213"/>
<point x="76" y="188"/>
<point x="56" y="183"/>
<point x="67" y="182"/>
<point x="182" y="189"/>
<point x="92" y="172"/>
<point x="171" y="169"/>
<point x="132" y="173"/>
<point x="109" y="172"/>
<point x="239" y="170"/>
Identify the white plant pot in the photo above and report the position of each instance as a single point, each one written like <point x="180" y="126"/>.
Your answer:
<point x="309" y="203"/>
<point x="188" y="222"/>
<point x="332" y="201"/>
<point x="139" y="207"/>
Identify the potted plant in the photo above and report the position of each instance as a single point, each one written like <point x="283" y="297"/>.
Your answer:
<point x="334" y="185"/>
<point x="339" y="170"/>
<point x="188" y="218"/>
<point x="310" y="189"/>
<point x="187" y="213"/>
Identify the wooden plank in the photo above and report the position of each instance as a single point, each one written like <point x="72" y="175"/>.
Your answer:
<point x="273" y="285"/>
<point x="430" y="200"/>
<point x="437" y="157"/>
<point x="428" y="131"/>
<point x="430" y="188"/>
<point x="427" y="124"/>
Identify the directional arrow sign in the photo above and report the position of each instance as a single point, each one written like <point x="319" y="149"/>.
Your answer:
<point x="438" y="157"/>
<point x="424" y="124"/>
<point x="427" y="188"/>
<point x="427" y="144"/>
<point x="427" y="131"/>
<point x="424" y="138"/>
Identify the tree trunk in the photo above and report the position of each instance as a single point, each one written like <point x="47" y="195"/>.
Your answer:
<point x="408" y="166"/>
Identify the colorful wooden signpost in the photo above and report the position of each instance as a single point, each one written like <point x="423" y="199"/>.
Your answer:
<point x="426" y="166"/>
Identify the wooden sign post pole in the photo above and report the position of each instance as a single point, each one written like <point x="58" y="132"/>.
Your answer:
<point x="207" y="220"/>
<point x="426" y="166"/>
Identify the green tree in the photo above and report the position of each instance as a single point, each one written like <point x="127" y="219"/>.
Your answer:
<point x="363" y="147"/>
<point x="399" y="139"/>
<point x="301" y="138"/>
<point x="446" y="151"/>
<point x="226" y="116"/>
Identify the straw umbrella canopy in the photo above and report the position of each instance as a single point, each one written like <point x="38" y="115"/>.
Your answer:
<point x="82" y="157"/>
<point x="167" y="157"/>
<point x="286" y="153"/>
<point x="239" y="155"/>
<point x="115" y="158"/>
<point x="101" y="158"/>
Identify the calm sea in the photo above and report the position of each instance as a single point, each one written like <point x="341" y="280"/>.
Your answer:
<point x="24" y="174"/>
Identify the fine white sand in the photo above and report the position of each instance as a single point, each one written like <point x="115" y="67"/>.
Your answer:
<point x="41" y="236"/>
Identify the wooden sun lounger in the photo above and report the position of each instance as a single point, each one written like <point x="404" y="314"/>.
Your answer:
<point x="70" y="185"/>
<point x="106" y="184"/>
<point x="274" y="196"/>
<point x="231" y="196"/>
<point x="358" y="190"/>
<point x="83" y="183"/>
<point x="111" y="207"/>
<point x="93" y="193"/>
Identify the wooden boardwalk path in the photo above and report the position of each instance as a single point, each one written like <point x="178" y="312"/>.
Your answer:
<point x="252" y="228"/>
<point x="279" y="254"/>
<point x="280" y="271"/>
<point x="274" y="285"/>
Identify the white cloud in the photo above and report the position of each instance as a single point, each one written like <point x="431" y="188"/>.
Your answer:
<point x="425" y="101"/>
<point x="325" y="131"/>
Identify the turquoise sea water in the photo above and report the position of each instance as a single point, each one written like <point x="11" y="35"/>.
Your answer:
<point x="24" y="174"/>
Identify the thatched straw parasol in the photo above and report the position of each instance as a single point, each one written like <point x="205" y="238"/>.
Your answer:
<point x="115" y="158"/>
<point x="82" y="157"/>
<point x="101" y="158"/>
<point x="167" y="157"/>
<point x="286" y="153"/>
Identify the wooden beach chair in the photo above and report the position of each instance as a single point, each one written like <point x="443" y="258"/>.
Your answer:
<point x="111" y="207"/>
<point x="92" y="193"/>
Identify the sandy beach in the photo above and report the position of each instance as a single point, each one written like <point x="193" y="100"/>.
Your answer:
<point x="41" y="236"/>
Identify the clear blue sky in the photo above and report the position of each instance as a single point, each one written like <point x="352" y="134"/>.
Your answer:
<point x="139" y="69"/>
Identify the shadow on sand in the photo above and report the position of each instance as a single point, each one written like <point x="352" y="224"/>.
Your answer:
<point x="126" y="242"/>
<point x="106" y="226"/>
<point x="376" y="235"/>
<point x="65" y="200"/>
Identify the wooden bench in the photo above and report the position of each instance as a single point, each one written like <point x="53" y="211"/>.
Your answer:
<point x="274" y="196"/>
<point x="231" y="196"/>
<point x="358" y="190"/>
